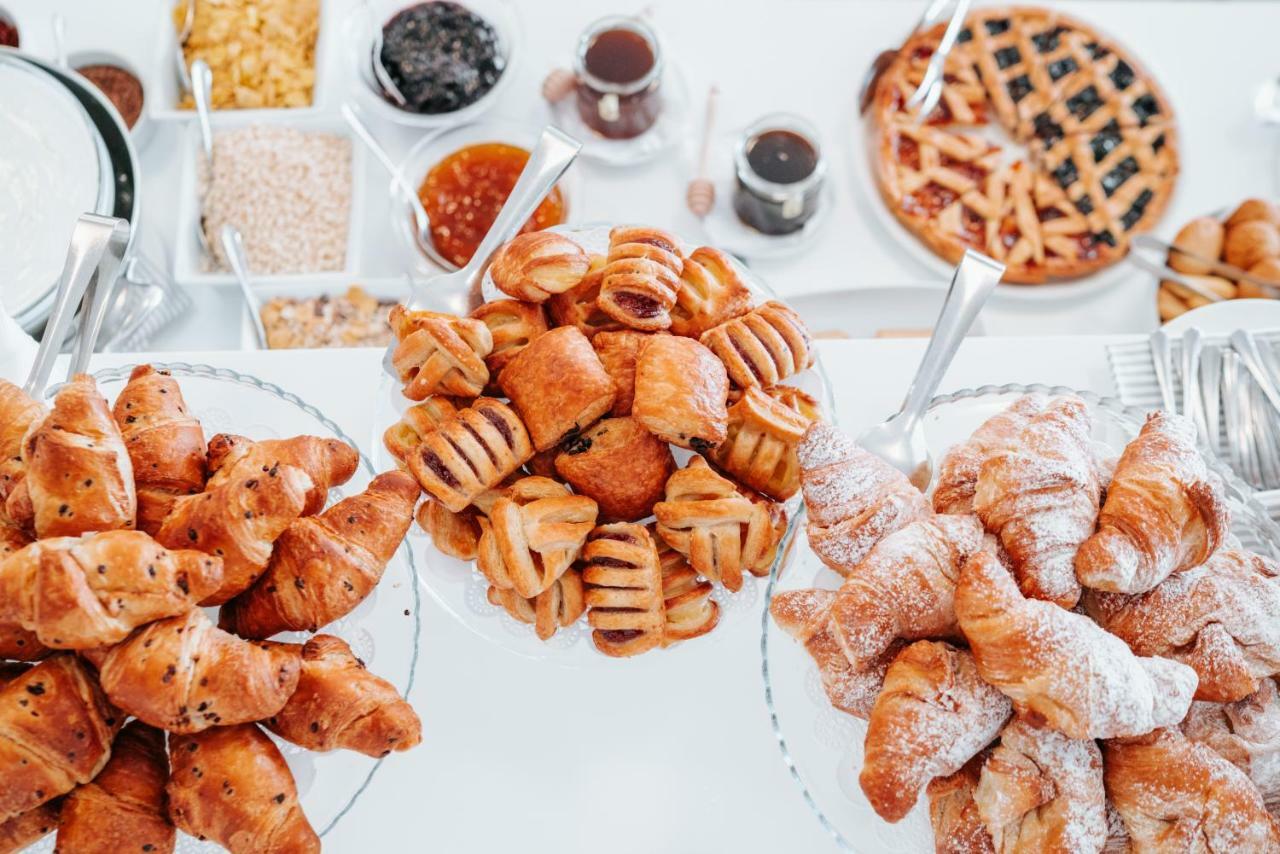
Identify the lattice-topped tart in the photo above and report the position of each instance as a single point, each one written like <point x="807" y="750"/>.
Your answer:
<point x="1098" y="145"/>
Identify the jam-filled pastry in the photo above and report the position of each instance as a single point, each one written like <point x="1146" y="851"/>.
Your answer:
<point x="933" y="715"/>
<point x="1221" y="618"/>
<point x="415" y="424"/>
<point x="905" y="587"/>
<point x="711" y="292"/>
<point x="854" y="499"/>
<point x="471" y="452"/>
<point x="624" y="590"/>
<point x="513" y="324"/>
<point x="1061" y="668"/>
<point x="1041" y="791"/>
<point x="680" y="394"/>
<point x="439" y="353"/>
<point x="957" y="827"/>
<point x="557" y="607"/>
<point x="537" y="264"/>
<point x="641" y="278"/>
<point x="619" y="464"/>
<point x="1174" y="795"/>
<point x="558" y="386"/>
<point x="577" y="306"/>
<point x="1246" y="733"/>
<point x="721" y="531"/>
<point x="789" y="396"/>
<point x="1164" y="511"/>
<point x="688" y="608"/>
<point x="618" y="351"/>
<point x="1041" y="498"/>
<point x="759" y="449"/>
<point x="958" y="472"/>
<point x="762" y="347"/>
<point x="533" y="533"/>
<point x="806" y="616"/>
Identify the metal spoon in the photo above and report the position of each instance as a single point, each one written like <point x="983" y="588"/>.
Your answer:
<point x="380" y="73"/>
<point x="233" y="248"/>
<point x="202" y="78"/>
<point x="180" y="56"/>
<point x="900" y="441"/>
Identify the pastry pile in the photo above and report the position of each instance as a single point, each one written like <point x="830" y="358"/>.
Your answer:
<point x="544" y="426"/>
<point x="118" y="526"/>
<point x="1249" y="239"/>
<point x="1065" y="653"/>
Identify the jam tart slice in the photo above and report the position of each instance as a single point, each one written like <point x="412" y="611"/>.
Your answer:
<point x="641" y="278"/>
<point x="439" y="353"/>
<point x="760" y="451"/>
<point x="557" y="607"/>
<point x="470" y="453"/>
<point x="533" y="534"/>
<point x="763" y="347"/>
<point x="417" y="422"/>
<point x="688" y="609"/>
<point x="624" y="590"/>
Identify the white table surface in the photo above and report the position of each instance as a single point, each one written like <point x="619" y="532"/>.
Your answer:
<point x="671" y="751"/>
<point x="804" y="56"/>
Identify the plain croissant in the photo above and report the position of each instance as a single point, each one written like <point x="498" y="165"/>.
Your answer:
<point x="17" y="413"/>
<point x="324" y="566"/>
<point x="328" y="462"/>
<point x="185" y="674"/>
<point x="29" y="827"/>
<point x="340" y="704"/>
<point x="78" y="593"/>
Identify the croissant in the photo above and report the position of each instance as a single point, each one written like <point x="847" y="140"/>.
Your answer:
<point x="1246" y="733"/>
<point x="1164" y="512"/>
<point x="932" y="716"/>
<point x="12" y="538"/>
<point x="513" y="326"/>
<point x="687" y="605"/>
<point x="470" y="453"/>
<point x="558" y="606"/>
<point x="623" y="589"/>
<point x="416" y="423"/>
<point x="124" y="807"/>
<point x="958" y="472"/>
<point x="238" y="519"/>
<point x="762" y="347"/>
<point x="80" y="593"/>
<point x="1221" y="618"/>
<point x="184" y="674"/>
<point x="577" y="306"/>
<point x="854" y="499"/>
<point x="20" y="644"/>
<point x="535" y="265"/>
<point x="533" y="533"/>
<point x="1061" y="668"/>
<point x="78" y="474"/>
<point x="29" y="827"/>
<point x="1041" y="498"/>
<point x="1041" y="791"/>
<point x="328" y="462"/>
<point x="721" y="531"/>
<point x="439" y="353"/>
<point x="455" y="534"/>
<point x="324" y="566"/>
<point x="641" y="278"/>
<point x="806" y="616"/>
<point x="340" y="704"/>
<point x="711" y="292"/>
<point x="56" y="729"/>
<point x="165" y="443"/>
<point x="17" y="413"/>
<point x="231" y="785"/>
<point x="957" y="827"/>
<point x="1174" y="795"/>
<point x="904" y="588"/>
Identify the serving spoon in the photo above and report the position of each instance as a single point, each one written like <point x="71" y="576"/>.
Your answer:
<point x="202" y="89"/>
<point x="380" y="74"/>
<point x="233" y="248"/>
<point x="900" y="441"/>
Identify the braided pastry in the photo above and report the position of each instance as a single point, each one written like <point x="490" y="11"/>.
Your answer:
<point x="762" y="347"/>
<point x="577" y="306"/>
<point x="721" y="531"/>
<point x="680" y="393"/>
<point x="711" y="292"/>
<point x="641" y="278"/>
<point x="537" y="264"/>
<point x="439" y="353"/>
<point x="688" y="607"/>
<point x="415" y="424"/>
<point x="533" y="533"/>
<point x="958" y="472"/>
<point x="759" y="449"/>
<point x="557" y="607"/>
<point x="1221" y="618"/>
<point x="471" y="452"/>
<point x="513" y="325"/>
<point x="624" y="589"/>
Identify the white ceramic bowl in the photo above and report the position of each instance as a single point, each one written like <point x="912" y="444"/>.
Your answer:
<point x="329" y="284"/>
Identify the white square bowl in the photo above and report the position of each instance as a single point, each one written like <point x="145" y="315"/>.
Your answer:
<point x="188" y="257"/>
<point x="164" y="89"/>
<point x="382" y="288"/>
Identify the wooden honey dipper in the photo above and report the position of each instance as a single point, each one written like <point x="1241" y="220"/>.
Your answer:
<point x="701" y="195"/>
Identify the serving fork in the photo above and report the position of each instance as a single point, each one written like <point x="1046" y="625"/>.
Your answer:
<point x="929" y="91"/>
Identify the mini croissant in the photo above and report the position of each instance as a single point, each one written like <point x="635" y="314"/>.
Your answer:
<point x="537" y="264"/>
<point x="957" y="827"/>
<point x="1246" y="733"/>
<point x="324" y="566"/>
<point x="328" y="462"/>
<point x="340" y="704"/>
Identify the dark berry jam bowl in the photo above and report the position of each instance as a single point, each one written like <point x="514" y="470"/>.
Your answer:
<point x="501" y="16"/>
<point x="772" y="206"/>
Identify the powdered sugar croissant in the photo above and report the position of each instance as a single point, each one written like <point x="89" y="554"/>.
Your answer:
<point x="958" y="472"/>
<point x="1246" y="733"/>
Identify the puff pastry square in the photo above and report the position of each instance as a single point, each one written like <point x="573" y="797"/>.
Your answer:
<point x="681" y="392"/>
<point x="558" y="386"/>
<point x="619" y="464"/>
<point x="618" y="351"/>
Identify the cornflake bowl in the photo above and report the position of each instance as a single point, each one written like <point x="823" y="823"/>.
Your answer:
<point x="822" y="747"/>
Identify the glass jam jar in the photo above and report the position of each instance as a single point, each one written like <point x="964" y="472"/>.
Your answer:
<point x="780" y="170"/>
<point x="619" y="71"/>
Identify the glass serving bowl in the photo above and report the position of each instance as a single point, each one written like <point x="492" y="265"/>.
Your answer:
<point x="822" y="747"/>
<point x="460" y="588"/>
<point x="383" y="631"/>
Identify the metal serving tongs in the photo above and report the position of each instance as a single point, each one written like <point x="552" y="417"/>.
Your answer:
<point x="929" y="91"/>
<point x="458" y="292"/>
<point x="1147" y="243"/>
<point x="93" y="262"/>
